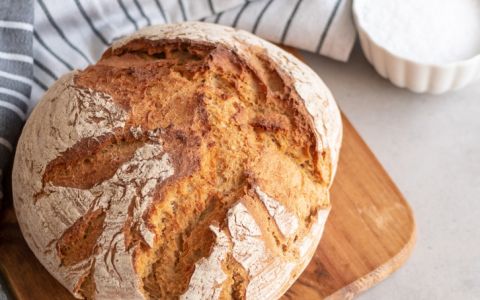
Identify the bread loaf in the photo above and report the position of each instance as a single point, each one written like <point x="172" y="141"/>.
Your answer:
<point x="192" y="161"/>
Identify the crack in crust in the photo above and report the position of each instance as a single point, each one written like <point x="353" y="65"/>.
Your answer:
<point x="77" y="167"/>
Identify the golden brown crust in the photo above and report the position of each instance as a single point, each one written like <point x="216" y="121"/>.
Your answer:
<point x="78" y="241"/>
<point x="76" y="167"/>
<point x="238" y="147"/>
<point x="186" y="76"/>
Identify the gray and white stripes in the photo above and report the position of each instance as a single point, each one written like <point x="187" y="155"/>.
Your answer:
<point x="72" y="34"/>
<point x="16" y="27"/>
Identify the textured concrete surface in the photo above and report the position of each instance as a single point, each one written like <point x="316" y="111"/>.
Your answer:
<point x="430" y="146"/>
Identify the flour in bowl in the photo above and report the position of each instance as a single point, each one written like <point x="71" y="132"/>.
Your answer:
<point x="426" y="31"/>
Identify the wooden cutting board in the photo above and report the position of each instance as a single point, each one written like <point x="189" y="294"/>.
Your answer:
<point x="369" y="234"/>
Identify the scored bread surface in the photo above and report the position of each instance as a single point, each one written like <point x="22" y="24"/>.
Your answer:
<point x="193" y="161"/>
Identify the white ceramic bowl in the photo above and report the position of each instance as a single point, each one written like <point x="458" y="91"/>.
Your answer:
<point x="413" y="75"/>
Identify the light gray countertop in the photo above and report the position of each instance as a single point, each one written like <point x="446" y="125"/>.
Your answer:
<point x="430" y="146"/>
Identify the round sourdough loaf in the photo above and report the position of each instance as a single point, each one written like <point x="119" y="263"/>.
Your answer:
<point x="192" y="161"/>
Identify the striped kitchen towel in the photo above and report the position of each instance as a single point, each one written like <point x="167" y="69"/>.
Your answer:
<point x="71" y="34"/>
<point x="16" y="72"/>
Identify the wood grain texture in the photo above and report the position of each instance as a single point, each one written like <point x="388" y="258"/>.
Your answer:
<point x="369" y="234"/>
